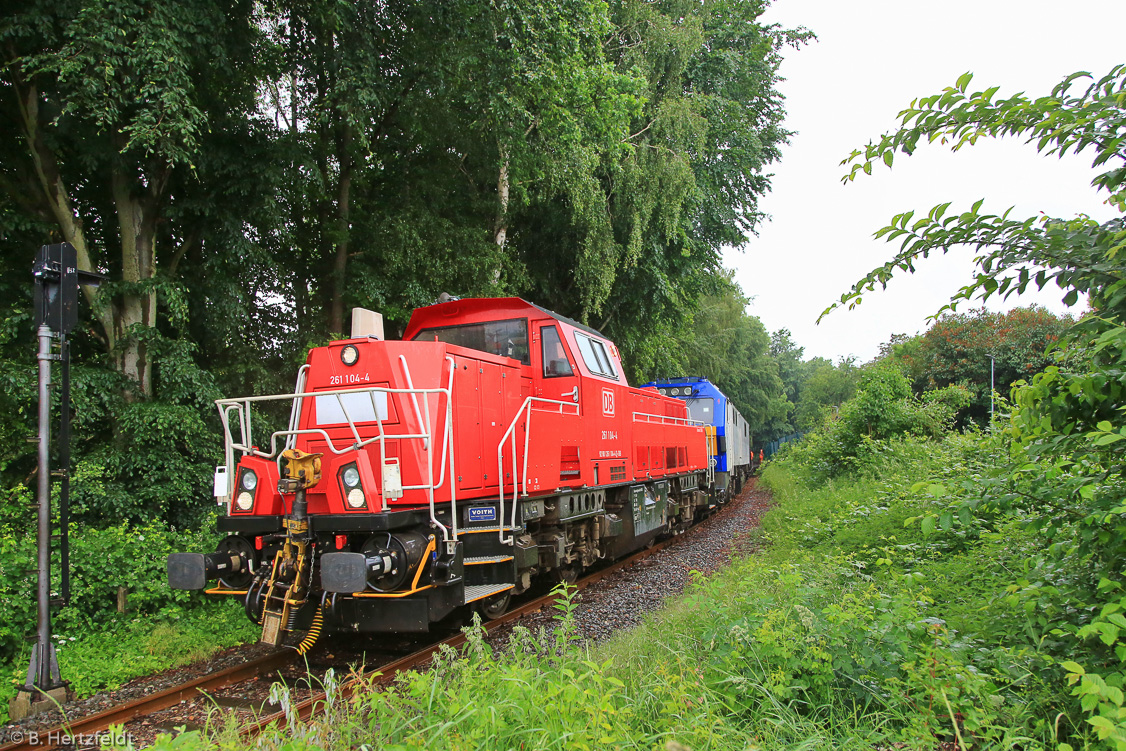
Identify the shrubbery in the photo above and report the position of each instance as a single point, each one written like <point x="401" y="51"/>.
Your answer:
<point x="102" y="560"/>
<point x="883" y="407"/>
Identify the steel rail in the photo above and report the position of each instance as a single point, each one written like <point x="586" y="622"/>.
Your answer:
<point x="91" y="724"/>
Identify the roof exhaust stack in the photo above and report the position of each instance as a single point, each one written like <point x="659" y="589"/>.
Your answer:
<point x="366" y="323"/>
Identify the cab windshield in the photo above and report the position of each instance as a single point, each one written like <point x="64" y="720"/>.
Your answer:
<point x="503" y="338"/>
<point x="702" y="410"/>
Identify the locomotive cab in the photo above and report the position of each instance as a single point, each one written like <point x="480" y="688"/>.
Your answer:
<point x="497" y="442"/>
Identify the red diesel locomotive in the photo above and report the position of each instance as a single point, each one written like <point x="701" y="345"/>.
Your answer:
<point x="496" y="443"/>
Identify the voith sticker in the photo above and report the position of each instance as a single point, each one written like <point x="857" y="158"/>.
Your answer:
<point x="607" y="402"/>
<point x="482" y="513"/>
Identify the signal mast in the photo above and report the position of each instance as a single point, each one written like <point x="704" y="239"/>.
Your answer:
<point x="57" y="279"/>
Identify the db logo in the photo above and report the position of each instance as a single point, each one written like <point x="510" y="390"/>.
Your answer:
<point x="607" y="402"/>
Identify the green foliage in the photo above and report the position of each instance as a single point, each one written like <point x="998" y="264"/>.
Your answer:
<point x="98" y="647"/>
<point x="102" y="560"/>
<point x="959" y="348"/>
<point x="1062" y="479"/>
<point x="136" y="460"/>
<point x="825" y="388"/>
<point x="685" y="182"/>
<point x="883" y="407"/>
<point x="957" y="633"/>
<point x="811" y="388"/>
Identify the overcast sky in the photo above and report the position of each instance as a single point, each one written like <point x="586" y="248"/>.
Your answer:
<point x="871" y="59"/>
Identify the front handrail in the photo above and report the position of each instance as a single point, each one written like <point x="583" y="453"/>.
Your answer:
<point x="242" y="406"/>
<point x="298" y="404"/>
<point x="509" y="436"/>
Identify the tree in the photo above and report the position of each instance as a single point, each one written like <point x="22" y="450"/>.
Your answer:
<point x="633" y="251"/>
<point x="982" y="349"/>
<point x="722" y="343"/>
<point x="881" y="407"/>
<point x="247" y="172"/>
<point x="108" y="106"/>
<point x="1067" y="426"/>
<point x="732" y="349"/>
<point x="826" y="386"/>
<point x="791" y="366"/>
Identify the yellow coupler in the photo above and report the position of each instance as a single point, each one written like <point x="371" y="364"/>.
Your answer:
<point x="302" y="471"/>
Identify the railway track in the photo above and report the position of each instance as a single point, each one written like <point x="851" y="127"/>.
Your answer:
<point x="83" y="732"/>
<point x="89" y="726"/>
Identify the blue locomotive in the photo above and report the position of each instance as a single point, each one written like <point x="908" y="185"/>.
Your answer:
<point x="733" y="460"/>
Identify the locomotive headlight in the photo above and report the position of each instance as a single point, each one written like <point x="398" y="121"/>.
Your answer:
<point x="349" y="355"/>
<point x="351" y="476"/>
<point x="353" y="488"/>
<point x="356" y="498"/>
<point x="244" y="501"/>
<point x="249" y="480"/>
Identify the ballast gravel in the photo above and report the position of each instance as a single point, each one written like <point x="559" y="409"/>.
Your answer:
<point x="622" y="599"/>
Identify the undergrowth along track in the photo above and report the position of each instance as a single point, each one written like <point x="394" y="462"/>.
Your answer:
<point x="89" y="726"/>
<point x="384" y="674"/>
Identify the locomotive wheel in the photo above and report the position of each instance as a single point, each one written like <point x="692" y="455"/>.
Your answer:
<point x="568" y="574"/>
<point x="494" y="607"/>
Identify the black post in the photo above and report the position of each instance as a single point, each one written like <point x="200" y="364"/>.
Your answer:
<point x="43" y="673"/>
<point x="57" y="280"/>
<point x="64" y="472"/>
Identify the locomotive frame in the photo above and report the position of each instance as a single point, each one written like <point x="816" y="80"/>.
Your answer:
<point x="496" y="443"/>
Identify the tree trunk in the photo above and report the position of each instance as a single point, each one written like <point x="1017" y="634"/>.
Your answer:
<point x="136" y="216"/>
<point x="137" y="309"/>
<point x="500" y="226"/>
<point x="57" y="197"/>
<point x="343" y="231"/>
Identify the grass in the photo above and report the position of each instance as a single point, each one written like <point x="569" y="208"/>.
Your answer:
<point x="125" y="647"/>
<point x="850" y="631"/>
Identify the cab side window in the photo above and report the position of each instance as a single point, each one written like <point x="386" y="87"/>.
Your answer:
<point x="555" y="362"/>
<point x="595" y="356"/>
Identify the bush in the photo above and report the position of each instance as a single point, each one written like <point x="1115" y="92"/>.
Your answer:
<point x="884" y="407"/>
<point x="101" y="561"/>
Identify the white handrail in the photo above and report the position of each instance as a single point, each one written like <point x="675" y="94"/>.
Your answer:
<point x="510" y="435"/>
<point x="243" y="406"/>
<point x="449" y="441"/>
<point x="666" y="419"/>
<point x="414" y="398"/>
<point x="298" y="403"/>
